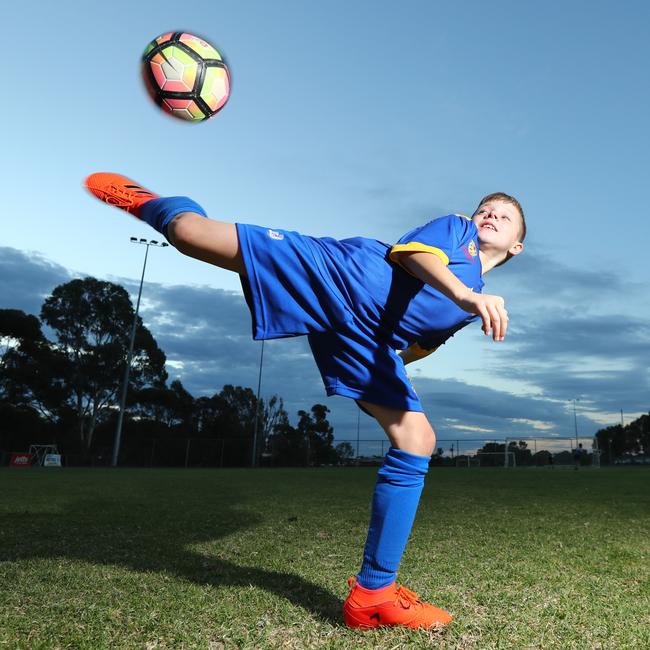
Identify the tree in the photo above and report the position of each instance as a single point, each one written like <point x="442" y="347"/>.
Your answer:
<point x="20" y="426"/>
<point x="491" y="454"/>
<point x="318" y="434"/>
<point x="344" y="451"/>
<point x="92" y="321"/>
<point x="236" y="407"/>
<point x="18" y="333"/>
<point x="32" y="372"/>
<point x="523" y="455"/>
<point x="633" y="438"/>
<point x="230" y="416"/>
<point x="171" y="406"/>
<point x="310" y="443"/>
<point x="288" y="446"/>
<point x="16" y="328"/>
<point x="272" y="418"/>
<point x="639" y="431"/>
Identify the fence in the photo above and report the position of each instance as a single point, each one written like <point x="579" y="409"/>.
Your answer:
<point x="170" y="452"/>
<point x="377" y="448"/>
<point x="237" y="452"/>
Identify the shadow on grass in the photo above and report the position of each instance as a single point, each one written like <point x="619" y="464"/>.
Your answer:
<point x="146" y="533"/>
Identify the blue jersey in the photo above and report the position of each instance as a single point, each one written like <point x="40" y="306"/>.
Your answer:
<point x="356" y="302"/>
<point x="399" y="307"/>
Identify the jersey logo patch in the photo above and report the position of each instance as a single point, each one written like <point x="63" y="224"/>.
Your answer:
<point x="274" y="234"/>
<point x="470" y="251"/>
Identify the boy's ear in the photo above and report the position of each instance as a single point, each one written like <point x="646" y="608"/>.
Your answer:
<point x="517" y="248"/>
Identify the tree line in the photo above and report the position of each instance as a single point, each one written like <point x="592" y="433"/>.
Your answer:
<point x="615" y="444"/>
<point x="64" y="388"/>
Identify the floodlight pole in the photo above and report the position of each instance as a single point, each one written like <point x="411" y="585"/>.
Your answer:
<point x="129" y="356"/>
<point x="257" y="409"/>
<point x="358" y="427"/>
<point x="575" y="420"/>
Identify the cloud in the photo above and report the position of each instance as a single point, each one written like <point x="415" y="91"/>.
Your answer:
<point x="452" y="403"/>
<point x="569" y="335"/>
<point x="27" y="279"/>
<point x="603" y="360"/>
<point x="535" y="282"/>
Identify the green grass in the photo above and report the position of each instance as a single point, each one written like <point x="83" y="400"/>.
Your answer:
<point x="258" y="559"/>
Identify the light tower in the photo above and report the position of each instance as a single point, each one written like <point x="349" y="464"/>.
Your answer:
<point x="129" y="356"/>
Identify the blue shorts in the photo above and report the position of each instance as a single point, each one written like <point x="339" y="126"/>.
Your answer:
<point x="354" y="364"/>
<point x="290" y="292"/>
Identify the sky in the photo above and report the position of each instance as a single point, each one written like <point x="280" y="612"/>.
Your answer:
<point x="355" y="118"/>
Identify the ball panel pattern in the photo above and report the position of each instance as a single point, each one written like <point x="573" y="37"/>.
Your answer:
<point x="174" y="70"/>
<point x="215" y="88"/>
<point x="163" y="38"/>
<point x="201" y="47"/>
<point x="186" y="109"/>
<point x="186" y="76"/>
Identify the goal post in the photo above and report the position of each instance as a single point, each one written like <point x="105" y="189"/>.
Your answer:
<point x="45" y="455"/>
<point x="468" y="461"/>
<point x="497" y="458"/>
<point x="552" y="451"/>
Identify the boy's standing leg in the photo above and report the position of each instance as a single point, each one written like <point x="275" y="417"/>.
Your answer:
<point x="374" y="599"/>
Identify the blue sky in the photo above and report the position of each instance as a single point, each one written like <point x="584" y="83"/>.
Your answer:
<point x="356" y="118"/>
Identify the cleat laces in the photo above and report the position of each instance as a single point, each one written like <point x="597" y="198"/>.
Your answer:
<point x="406" y="598"/>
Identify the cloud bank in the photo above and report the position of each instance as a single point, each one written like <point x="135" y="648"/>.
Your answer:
<point x="596" y="349"/>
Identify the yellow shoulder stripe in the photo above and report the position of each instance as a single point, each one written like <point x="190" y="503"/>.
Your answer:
<point x="416" y="247"/>
<point x="464" y="217"/>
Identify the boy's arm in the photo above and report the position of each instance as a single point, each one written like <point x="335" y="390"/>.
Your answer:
<point x="432" y="270"/>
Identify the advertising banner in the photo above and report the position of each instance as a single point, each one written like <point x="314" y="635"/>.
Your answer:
<point x="20" y="459"/>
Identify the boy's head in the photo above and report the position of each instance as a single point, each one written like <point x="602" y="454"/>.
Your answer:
<point x="501" y="225"/>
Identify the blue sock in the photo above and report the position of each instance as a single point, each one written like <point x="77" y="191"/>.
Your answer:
<point x="159" y="212"/>
<point x="394" y="504"/>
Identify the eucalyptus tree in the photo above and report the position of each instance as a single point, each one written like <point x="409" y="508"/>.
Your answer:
<point x="91" y="320"/>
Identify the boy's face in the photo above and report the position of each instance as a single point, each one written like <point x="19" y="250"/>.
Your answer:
<point x="498" y="224"/>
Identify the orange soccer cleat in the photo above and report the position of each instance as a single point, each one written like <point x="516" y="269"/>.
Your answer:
<point x="367" y="608"/>
<point x="119" y="191"/>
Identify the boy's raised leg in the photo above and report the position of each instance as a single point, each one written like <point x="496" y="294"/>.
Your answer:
<point x="374" y="599"/>
<point x="180" y="219"/>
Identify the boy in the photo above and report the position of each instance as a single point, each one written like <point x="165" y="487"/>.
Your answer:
<point x="359" y="300"/>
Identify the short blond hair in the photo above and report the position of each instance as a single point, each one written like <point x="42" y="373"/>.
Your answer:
<point x="506" y="198"/>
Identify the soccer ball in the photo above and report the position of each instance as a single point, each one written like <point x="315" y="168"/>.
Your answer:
<point x="186" y="76"/>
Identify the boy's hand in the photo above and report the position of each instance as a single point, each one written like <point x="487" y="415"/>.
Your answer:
<point x="491" y="309"/>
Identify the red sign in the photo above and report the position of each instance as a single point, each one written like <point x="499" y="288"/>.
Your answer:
<point x="21" y="460"/>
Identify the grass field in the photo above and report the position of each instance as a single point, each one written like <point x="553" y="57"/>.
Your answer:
<point x="258" y="559"/>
